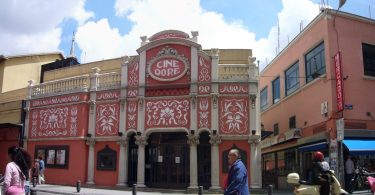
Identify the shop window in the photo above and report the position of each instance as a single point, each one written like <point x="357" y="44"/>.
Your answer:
<point x="53" y="156"/>
<point x="276" y="129"/>
<point x="106" y="159"/>
<point x="315" y="63"/>
<point x="368" y="59"/>
<point x="286" y="162"/>
<point x="225" y="157"/>
<point x="292" y="122"/>
<point x="263" y="99"/>
<point x="276" y="90"/>
<point x="292" y="79"/>
<point x="268" y="163"/>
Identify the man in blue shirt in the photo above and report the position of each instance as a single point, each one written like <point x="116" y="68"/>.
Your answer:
<point x="237" y="181"/>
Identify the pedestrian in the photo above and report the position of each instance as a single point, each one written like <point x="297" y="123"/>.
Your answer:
<point x="42" y="169"/>
<point x="237" y="180"/>
<point x="35" y="171"/>
<point x="16" y="171"/>
<point x="349" y="170"/>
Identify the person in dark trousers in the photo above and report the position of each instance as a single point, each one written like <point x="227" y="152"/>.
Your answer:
<point x="318" y="175"/>
<point x="237" y="181"/>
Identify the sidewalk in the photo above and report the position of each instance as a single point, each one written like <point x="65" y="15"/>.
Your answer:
<point x="70" y="190"/>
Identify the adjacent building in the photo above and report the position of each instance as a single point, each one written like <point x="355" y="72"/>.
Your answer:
<point x="317" y="94"/>
<point x="15" y="71"/>
<point x="164" y="118"/>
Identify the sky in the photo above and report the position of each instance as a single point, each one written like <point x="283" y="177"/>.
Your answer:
<point x="106" y="29"/>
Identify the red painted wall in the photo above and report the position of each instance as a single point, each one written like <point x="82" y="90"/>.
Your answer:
<point x="77" y="168"/>
<point x="106" y="177"/>
<point x="227" y="144"/>
<point x="8" y="138"/>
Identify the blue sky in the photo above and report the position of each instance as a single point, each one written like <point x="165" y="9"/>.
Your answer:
<point x="111" y="28"/>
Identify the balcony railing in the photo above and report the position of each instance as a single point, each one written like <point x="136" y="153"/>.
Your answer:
<point x="109" y="80"/>
<point x="234" y="72"/>
<point x="71" y="85"/>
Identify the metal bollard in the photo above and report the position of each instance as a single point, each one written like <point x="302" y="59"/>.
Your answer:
<point x="134" y="190"/>
<point x="78" y="185"/>
<point x="270" y="189"/>
<point x="33" y="192"/>
<point x="200" y="190"/>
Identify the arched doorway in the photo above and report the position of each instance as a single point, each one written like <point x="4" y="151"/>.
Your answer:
<point x="133" y="160"/>
<point x="167" y="160"/>
<point x="204" y="160"/>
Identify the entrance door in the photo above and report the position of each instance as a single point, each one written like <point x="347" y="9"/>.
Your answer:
<point x="167" y="161"/>
<point x="204" y="161"/>
<point x="133" y="161"/>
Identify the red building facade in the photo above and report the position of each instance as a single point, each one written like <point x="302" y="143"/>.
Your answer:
<point x="167" y="119"/>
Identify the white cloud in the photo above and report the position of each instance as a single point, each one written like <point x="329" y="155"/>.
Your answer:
<point x="33" y="26"/>
<point x="150" y="17"/>
<point x="98" y="41"/>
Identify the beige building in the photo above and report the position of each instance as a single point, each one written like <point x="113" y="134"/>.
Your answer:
<point x="15" y="71"/>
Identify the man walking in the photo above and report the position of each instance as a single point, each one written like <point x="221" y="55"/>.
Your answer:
<point x="237" y="181"/>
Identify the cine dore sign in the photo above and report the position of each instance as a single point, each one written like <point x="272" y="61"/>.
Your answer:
<point x="167" y="68"/>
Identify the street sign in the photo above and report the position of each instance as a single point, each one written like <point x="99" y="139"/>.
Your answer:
<point x="340" y="129"/>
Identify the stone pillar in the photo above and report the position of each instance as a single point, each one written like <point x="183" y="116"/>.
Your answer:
<point x="193" y="140"/>
<point x="90" y="167"/>
<point x="123" y="142"/>
<point x="215" y="169"/>
<point x="141" y="141"/>
<point x="215" y="89"/>
<point x="254" y="140"/>
<point x="27" y="111"/>
<point x="123" y="94"/>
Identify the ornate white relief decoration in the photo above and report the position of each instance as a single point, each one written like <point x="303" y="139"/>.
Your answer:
<point x="204" y="114"/>
<point x="107" y="119"/>
<point x="234" y="116"/>
<point x="132" y="115"/>
<point x="132" y="92"/>
<point x="204" y="89"/>
<point x="133" y="75"/>
<point x="108" y="95"/>
<point x="53" y="121"/>
<point x="73" y="121"/>
<point x="34" y="124"/>
<point x="167" y="113"/>
<point x="234" y="88"/>
<point x="204" y="71"/>
<point x="56" y="100"/>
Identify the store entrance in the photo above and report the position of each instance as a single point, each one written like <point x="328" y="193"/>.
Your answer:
<point x="167" y="161"/>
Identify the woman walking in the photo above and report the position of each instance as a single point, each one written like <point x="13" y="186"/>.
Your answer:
<point x="17" y="171"/>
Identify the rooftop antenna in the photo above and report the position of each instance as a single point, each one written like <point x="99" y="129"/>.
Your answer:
<point x="278" y="37"/>
<point x="72" y="53"/>
<point x="301" y="26"/>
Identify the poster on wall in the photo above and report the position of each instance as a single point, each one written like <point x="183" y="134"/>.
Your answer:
<point x="60" y="157"/>
<point x="51" y="157"/>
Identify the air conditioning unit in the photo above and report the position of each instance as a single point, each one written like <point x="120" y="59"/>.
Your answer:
<point x="324" y="108"/>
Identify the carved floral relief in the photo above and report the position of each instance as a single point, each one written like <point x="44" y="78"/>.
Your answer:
<point x="168" y="113"/>
<point x="107" y="119"/>
<point x="234" y="115"/>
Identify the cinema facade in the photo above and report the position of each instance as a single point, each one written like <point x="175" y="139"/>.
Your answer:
<point x="165" y="118"/>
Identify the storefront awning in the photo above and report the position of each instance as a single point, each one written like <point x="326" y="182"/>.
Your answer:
<point x="360" y="147"/>
<point x="313" y="147"/>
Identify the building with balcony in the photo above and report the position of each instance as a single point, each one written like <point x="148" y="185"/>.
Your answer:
<point x="15" y="71"/>
<point x="317" y="94"/>
<point x="165" y="118"/>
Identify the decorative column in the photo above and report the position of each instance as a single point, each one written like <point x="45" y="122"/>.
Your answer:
<point x="254" y="140"/>
<point x="141" y="141"/>
<point x="123" y="93"/>
<point x="193" y="140"/>
<point x="214" y="89"/>
<point x="27" y="113"/>
<point x="90" y="168"/>
<point x="90" y="139"/>
<point x="215" y="169"/>
<point x="123" y="142"/>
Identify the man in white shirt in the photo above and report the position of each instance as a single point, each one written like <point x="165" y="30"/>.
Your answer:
<point x="349" y="170"/>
